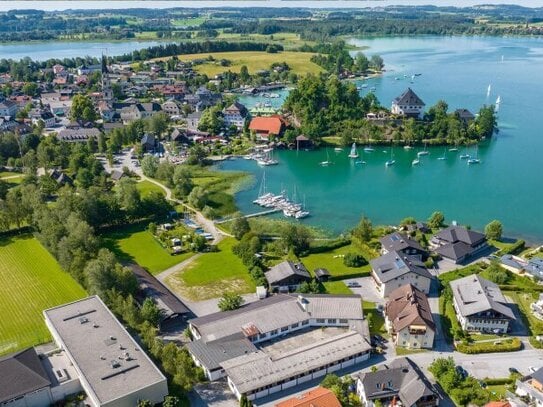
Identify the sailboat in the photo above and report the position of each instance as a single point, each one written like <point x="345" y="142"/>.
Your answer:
<point x="444" y="156"/>
<point x="423" y="152"/>
<point x="488" y="90"/>
<point x="498" y="100"/>
<point x="327" y="162"/>
<point x="354" y="152"/>
<point x="392" y="161"/>
<point x="475" y="160"/>
<point x="338" y="149"/>
<point x="416" y="161"/>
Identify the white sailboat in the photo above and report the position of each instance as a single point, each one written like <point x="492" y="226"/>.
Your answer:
<point x="475" y="160"/>
<point x="327" y="162"/>
<point x="488" y="90"/>
<point x="498" y="100"/>
<point x="338" y="149"/>
<point x="416" y="161"/>
<point x="354" y="152"/>
<point x="392" y="161"/>
<point x="444" y="156"/>
<point x="423" y="152"/>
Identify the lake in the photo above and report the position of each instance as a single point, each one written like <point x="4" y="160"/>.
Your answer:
<point x="41" y="51"/>
<point x="507" y="185"/>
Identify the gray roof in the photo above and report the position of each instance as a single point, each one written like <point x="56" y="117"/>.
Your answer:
<point x="395" y="264"/>
<point x="212" y="354"/>
<point x="474" y="294"/>
<point x="538" y="375"/>
<point x="455" y="251"/>
<point x="401" y="378"/>
<point x="321" y="272"/>
<point x="454" y="234"/>
<point x="258" y="369"/>
<point x="398" y="241"/>
<point x="285" y="270"/>
<point x="21" y="373"/>
<point x="81" y="133"/>
<point x="409" y="98"/>
<point x="94" y="338"/>
<point x="276" y="312"/>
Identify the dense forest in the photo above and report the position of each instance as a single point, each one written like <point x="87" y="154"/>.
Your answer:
<point x="176" y="23"/>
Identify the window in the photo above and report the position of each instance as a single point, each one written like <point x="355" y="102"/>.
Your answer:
<point x="331" y="321"/>
<point x="306" y="322"/>
<point x="295" y="325"/>
<point x="274" y="332"/>
<point x="284" y="329"/>
<point x="320" y="321"/>
<point x="343" y="321"/>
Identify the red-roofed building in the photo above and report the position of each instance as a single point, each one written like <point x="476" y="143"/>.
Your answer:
<point x="498" y="404"/>
<point x="319" y="397"/>
<point x="263" y="127"/>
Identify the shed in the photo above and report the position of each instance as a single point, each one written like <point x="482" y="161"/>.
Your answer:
<point x="322" y="274"/>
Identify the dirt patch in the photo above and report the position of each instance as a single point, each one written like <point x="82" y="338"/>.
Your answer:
<point x="207" y="291"/>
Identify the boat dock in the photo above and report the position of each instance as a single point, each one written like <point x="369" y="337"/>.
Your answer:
<point x="252" y="215"/>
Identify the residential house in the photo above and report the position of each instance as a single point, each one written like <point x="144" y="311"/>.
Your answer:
<point x="531" y="387"/>
<point x="149" y="142"/>
<point x="172" y="107"/>
<point x="24" y="381"/>
<point x="60" y="108"/>
<point x="465" y="115"/>
<point x="322" y="274"/>
<point x="400" y="381"/>
<point x="408" y="104"/>
<point x="318" y="397"/>
<point x="287" y="276"/>
<point x="139" y="111"/>
<point x="235" y="115"/>
<point x="58" y="176"/>
<point x="45" y="116"/>
<point x="395" y="269"/>
<point x="399" y="242"/>
<point x="254" y="349"/>
<point x="458" y="244"/>
<point x="193" y="120"/>
<point x="8" y="108"/>
<point x="265" y="127"/>
<point x="409" y="319"/>
<point x="480" y="305"/>
<point x="176" y="91"/>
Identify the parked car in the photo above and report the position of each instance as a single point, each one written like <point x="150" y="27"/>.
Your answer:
<point x="353" y="284"/>
<point x="512" y="370"/>
<point x="461" y="371"/>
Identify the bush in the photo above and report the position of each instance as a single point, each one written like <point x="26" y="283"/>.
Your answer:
<point x="498" y="381"/>
<point x="505" y="345"/>
<point x="354" y="260"/>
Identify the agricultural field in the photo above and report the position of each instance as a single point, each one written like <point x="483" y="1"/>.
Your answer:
<point x="30" y="281"/>
<point x="136" y="244"/>
<point x="287" y="40"/>
<point x="211" y="274"/>
<point x="299" y="62"/>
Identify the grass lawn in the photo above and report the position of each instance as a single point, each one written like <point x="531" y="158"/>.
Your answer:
<point x="287" y="40"/>
<point x="336" y="287"/>
<point x="188" y="22"/>
<point x="30" y="281"/>
<point x="334" y="263"/>
<point x="404" y="352"/>
<point x="377" y="321"/>
<point x="135" y="243"/>
<point x="146" y="187"/>
<point x="299" y="62"/>
<point x="212" y="274"/>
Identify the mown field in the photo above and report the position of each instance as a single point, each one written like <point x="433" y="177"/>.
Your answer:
<point x="135" y="244"/>
<point x="299" y="62"/>
<point x="30" y="281"/>
<point x="146" y="187"/>
<point x="212" y="274"/>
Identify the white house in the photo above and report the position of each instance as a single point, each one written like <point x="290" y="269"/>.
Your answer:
<point x="235" y="115"/>
<point x="408" y="104"/>
<point x="480" y="305"/>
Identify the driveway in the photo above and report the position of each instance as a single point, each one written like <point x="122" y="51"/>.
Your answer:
<point x="201" y="308"/>
<point x="367" y="289"/>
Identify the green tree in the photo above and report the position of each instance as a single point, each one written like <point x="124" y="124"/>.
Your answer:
<point x="364" y="230"/>
<point x="436" y="220"/>
<point x="170" y="401"/>
<point x="244" y="74"/>
<point x="144" y="403"/>
<point x="82" y="109"/>
<point x="150" y="312"/>
<point x="244" y="401"/>
<point x="212" y="120"/>
<point x="230" y="301"/>
<point x="149" y="165"/>
<point x="376" y="62"/>
<point x="198" y="197"/>
<point x="158" y="124"/>
<point x="296" y="238"/>
<point x="494" y="230"/>
<point x="361" y="62"/>
<point x="240" y="226"/>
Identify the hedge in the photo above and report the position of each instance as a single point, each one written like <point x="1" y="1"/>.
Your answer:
<point x="498" y="381"/>
<point x="515" y="248"/>
<point x="506" y="345"/>
<point x="329" y="245"/>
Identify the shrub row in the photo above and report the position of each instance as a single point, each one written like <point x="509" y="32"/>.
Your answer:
<point x="329" y="245"/>
<point x="498" y="381"/>
<point x="506" y="345"/>
<point x="515" y="248"/>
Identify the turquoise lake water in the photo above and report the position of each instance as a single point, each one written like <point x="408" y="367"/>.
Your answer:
<point x="507" y="185"/>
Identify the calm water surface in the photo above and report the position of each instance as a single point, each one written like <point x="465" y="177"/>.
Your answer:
<point x="507" y="185"/>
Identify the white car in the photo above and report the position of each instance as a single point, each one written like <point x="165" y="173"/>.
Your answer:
<point x="532" y="369"/>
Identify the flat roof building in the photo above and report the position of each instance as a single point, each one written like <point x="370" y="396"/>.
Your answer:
<point x="113" y="369"/>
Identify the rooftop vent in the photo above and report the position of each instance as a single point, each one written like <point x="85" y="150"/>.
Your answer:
<point x="102" y="357"/>
<point x="112" y="338"/>
<point x="95" y="325"/>
<point x="83" y="320"/>
<point x="115" y="364"/>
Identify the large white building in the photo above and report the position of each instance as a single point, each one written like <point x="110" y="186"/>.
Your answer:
<point x="255" y="349"/>
<point x="408" y="104"/>
<point x="480" y="305"/>
<point x="111" y="367"/>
